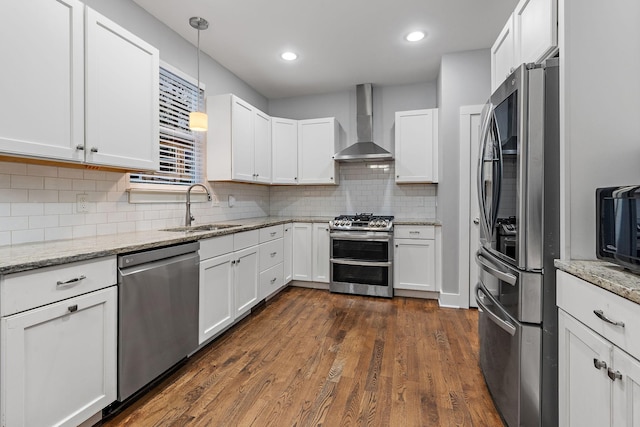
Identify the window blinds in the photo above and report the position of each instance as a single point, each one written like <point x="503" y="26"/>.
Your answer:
<point x="180" y="149"/>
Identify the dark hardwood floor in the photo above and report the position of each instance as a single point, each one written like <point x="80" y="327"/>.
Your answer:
<point x="312" y="358"/>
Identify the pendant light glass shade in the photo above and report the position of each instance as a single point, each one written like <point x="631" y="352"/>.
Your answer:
<point x="198" y="121"/>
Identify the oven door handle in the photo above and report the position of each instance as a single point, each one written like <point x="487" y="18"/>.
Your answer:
<point x="363" y="238"/>
<point x="485" y="264"/>
<point x="359" y="262"/>
<point x="505" y="325"/>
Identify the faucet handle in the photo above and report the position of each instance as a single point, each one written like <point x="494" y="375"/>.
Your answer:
<point x="192" y="217"/>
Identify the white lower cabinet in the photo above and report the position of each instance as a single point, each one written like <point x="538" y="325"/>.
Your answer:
<point x="416" y="259"/>
<point x="311" y="252"/>
<point x="320" y="249"/>
<point x="216" y="296"/>
<point x="302" y="251"/>
<point x="287" y="263"/>
<point x="599" y="369"/>
<point x="245" y="264"/>
<point x="59" y="361"/>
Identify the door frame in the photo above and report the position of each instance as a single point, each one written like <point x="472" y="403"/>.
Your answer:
<point x="464" y="203"/>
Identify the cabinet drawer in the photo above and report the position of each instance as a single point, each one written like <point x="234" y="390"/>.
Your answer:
<point x="271" y="233"/>
<point x="29" y="289"/>
<point x="581" y="299"/>
<point x="415" y="232"/>
<point x="271" y="253"/>
<point x="245" y="239"/>
<point x="215" y="246"/>
<point x="271" y="280"/>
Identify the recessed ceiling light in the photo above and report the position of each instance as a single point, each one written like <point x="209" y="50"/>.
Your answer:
<point x="415" y="36"/>
<point x="289" y="56"/>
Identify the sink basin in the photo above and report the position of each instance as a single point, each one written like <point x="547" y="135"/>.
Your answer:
<point x="203" y="227"/>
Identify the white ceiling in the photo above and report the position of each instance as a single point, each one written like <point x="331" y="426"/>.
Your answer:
<point x="340" y="43"/>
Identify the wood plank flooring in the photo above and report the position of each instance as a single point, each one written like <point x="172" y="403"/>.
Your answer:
<point x="312" y="358"/>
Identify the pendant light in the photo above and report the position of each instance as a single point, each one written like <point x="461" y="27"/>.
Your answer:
<point x="198" y="120"/>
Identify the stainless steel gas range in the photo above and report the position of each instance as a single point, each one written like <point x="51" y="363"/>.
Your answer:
<point x="362" y="255"/>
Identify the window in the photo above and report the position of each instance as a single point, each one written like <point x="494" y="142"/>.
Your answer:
<point x="181" y="150"/>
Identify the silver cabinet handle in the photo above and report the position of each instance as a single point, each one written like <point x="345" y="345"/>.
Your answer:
<point x="599" y="364"/>
<point x="70" y="282"/>
<point x="238" y="261"/>
<point x="233" y="262"/>
<point x="273" y="233"/>
<point x="94" y="149"/>
<point x="614" y="375"/>
<point x="476" y="221"/>
<point x="414" y="232"/>
<point x="600" y="314"/>
<point x="72" y="308"/>
<point x="273" y="280"/>
<point x="273" y="254"/>
<point x="80" y="147"/>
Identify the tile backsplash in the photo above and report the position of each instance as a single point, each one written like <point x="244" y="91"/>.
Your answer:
<point x="39" y="203"/>
<point x="363" y="187"/>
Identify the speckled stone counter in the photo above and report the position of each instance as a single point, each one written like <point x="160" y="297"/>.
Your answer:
<point x="30" y="256"/>
<point x="605" y="275"/>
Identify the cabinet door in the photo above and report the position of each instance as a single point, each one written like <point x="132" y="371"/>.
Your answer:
<point x="584" y="388"/>
<point x="284" y="143"/>
<point x="302" y="252"/>
<point x="536" y="29"/>
<point x="288" y="253"/>
<point x="242" y="135"/>
<point x="262" y="147"/>
<point x="42" y="79"/>
<point x="216" y="296"/>
<point x="320" y="241"/>
<point x="316" y="148"/>
<point x="417" y="146"/>
<point x="245" y="279"/>
<point x="626" y="390"/>
<point x="414" y="265"/>
<point x="122" y="95"/>
<point x="503" y="55"/>
<point x="59" y="361"/>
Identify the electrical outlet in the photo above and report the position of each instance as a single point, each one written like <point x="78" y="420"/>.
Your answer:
<point x="214" y="201"/>
<point x="82" y="203"/>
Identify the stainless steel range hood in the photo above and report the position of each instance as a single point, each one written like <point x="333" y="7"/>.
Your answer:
<point x="364" y="149"/>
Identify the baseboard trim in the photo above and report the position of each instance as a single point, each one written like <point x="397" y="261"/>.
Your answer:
<point x="311" y="285"/>
<point x="447" y="300"/>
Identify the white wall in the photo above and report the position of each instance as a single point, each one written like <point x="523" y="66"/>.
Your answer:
<point x="464" y="80"/>
<point x="600" y="139"/>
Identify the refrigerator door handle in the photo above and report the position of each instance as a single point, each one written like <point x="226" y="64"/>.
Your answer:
<point x="486" y="265"/>
<point x="482" y="199"/>
<point x="505" y="325"/>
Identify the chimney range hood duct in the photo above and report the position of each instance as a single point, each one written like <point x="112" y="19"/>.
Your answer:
<point x="364" y="149"/>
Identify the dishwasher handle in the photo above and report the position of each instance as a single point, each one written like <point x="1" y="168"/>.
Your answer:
<point x="141" y="268"/>
<point x="137" y="258"/>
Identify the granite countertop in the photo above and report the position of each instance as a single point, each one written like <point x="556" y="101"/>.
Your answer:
<point x="605" y="275"/>
<point x="29" y="256"/>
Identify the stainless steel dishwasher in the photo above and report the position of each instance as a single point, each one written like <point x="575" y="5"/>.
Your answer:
<point x="157" y="313"/>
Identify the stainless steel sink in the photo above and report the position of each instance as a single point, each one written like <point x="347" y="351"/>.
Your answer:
<point x="203" y="227"/>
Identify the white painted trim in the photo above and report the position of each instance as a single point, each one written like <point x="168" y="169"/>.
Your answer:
<point x="410" y="293"/>
<point x="449" y="300"/>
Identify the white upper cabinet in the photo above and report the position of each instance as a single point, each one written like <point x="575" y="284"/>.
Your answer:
<point x="503" y="55"/>
<point x="46" y="83"/>
<point x="536" y="29"/>
<point x="316" y="148"/>
<point x="238" y="141"/>
<point x="122" y="96"/>
<point x="284" y="140"/>
<point x="416" y="138"/>
<point x="529" y="35"/>
<point x="42" y="84"/>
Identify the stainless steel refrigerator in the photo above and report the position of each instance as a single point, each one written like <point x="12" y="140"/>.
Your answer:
<point x="518" y="191"/>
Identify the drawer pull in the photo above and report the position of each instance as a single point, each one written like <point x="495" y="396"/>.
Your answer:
<point x="273" y="233"/>
<point x="73" y="308"/>
<point x="614" y="375"/>
<point x="70" y="282"/>
<point x="604" y="317"/>
<point x="273" y="280"/>
<point x="273" y="254"/>
<point x="599" y="364"/>
<point x="414" y="232"/>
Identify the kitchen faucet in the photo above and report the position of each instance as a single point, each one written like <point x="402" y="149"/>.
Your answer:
<point x="188" y="217"/>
